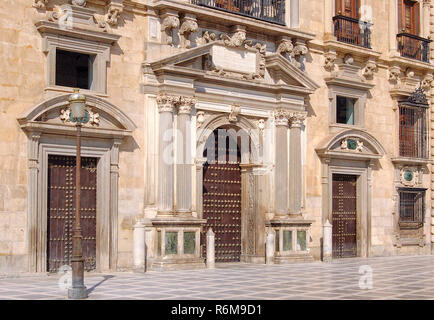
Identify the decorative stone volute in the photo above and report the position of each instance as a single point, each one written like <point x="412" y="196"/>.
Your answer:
<point x="285" y="47"/>
<point x="281" y="117"/>
<point x="188" y="26"/>
<point x="297" y="118"/>
<point x="39" y="4"/>
<point x="166" y="103"/>
<point x="170" y="22"/>
<point x="185" y="104"/>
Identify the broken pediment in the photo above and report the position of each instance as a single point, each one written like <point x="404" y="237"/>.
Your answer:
<point x="248" y="63"/>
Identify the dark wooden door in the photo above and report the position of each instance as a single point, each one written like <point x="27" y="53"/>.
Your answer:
<point x="222" y="198"/>
<point x="344" y="216"/>
<point x="61" y="211"/>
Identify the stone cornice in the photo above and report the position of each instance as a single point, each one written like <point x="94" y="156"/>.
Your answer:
<point x="229" y="19"/>
<point x="46" y="27"/>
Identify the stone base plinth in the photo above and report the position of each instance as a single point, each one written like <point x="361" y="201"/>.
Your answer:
<point x="177" y="264"/>
<point x="293" y="258"/>
<point x="250" y="258"/>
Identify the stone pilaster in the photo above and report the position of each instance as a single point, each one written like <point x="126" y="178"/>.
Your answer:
<point x="114" y="191"/>
<point x="166" y="105"/>
<point x="184" y="162"/>
<point x="295" y="168"/>
<point x="281" y="169"/>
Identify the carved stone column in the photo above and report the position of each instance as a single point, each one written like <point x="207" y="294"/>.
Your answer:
<point x="32" y="215"/>
<point x="165" y="157"/>
<point x="295" y="168"/>
<point x="281" y="169"/>
<point x="199" y="186"/>
<point x="184" y="161"/>
<point x="114" y="186"/>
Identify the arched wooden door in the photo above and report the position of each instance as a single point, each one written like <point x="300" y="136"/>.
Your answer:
<point x="222" y="195"/>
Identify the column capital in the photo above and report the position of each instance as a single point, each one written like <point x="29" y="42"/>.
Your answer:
<point x="166" y="103"/>
<point x="185" y="104"/>
<point x="297" y="119"/>
<point x="281" y="117"/>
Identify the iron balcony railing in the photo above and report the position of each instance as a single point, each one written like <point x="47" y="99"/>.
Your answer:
<point x="352" y="31"/>
<point x="265" y="10"/>
<point x="412" y="46"/>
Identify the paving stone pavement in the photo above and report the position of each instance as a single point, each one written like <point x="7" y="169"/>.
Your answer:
<point x="401" y="277"/>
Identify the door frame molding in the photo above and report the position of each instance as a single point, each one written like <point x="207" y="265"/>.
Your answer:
<point x="363" y="191"/>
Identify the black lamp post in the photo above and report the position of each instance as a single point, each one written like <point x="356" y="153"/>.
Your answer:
<point x="80" y="116"/>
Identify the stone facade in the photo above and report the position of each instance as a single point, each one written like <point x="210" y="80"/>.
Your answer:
<point x="172" y="66"/>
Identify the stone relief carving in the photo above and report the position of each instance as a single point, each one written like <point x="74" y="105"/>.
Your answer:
<point x="39" y="4"/>
<point x="65" y="116"/>
<point x="285" y="48"/>
<point x="297" y="118"/>
<point x="200" y="119"/>
<point x="169" y="23"/>
<point x="189" y="25"/>
<point x="80" y="3"/>
<point x="166" y="103"/>
<point x="235" y="111"/>
<point x="409" y="176"/>
<point x="261" y="124"/>
<point x="370" y="69"/>
<point x="281" y="117"/>
<point x="427" y="80"/>
<point x="237" y="39"/>
<point x="352" y="144"/>
<point x="113" y="14"/>
<point x="185" y="104"/>
<point x="394" y="74"/>
<point x="298" y="55"/>
<point x="349" y="59"/>
<point x="330" y="58"/>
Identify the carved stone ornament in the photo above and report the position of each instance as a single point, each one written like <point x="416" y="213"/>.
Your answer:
<point x="285" y="47"/>
<point x="39" y="4"/>
<point x="206" y="38"/>
<point x="297" y="118"/>
<point x="298" y="54"/>
<point x="169" y="23"/>
<point x="349" y="59"/>
<point x="189" y="25"/>
<point x="237" y="39"/>
<point x="65" y="116"/>
<point x="370" y="69"/>
<point x="113" y="14"/>
<point x="235" y="111"/>
<point x="80" y="3"/>
<point x="185" y="104"/>
<point x="409" y="176"/>
<point x="281" y="117"/>
<point x="352" y="144"/>
<point x="261" y="124"/>
<point x="329" y="60"/>
<point x="426" y="82"/>
<point x="200" y="118"/>
<point x="166" y="103"/>
<point x="394" y="74"/>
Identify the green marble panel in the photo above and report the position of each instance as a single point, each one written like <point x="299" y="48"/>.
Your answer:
<point x="189" y="242"/>
<point x="171" y="242"/>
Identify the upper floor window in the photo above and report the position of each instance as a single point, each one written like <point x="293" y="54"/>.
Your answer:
<point x="413" y="132"/>
<point x="74" y="69"/>
<point x="347" y="27"/>
<point x="345" y="110"/>
<point x="348" y="8"/>
<point x="408" y="16"/>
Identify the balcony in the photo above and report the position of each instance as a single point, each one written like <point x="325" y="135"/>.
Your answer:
<point x="413" y="47"/>
<point x="266" y="10"/>
<point x="352" y="31"/>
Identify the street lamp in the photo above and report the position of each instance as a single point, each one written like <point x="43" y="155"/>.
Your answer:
<point x="80" y="116"/>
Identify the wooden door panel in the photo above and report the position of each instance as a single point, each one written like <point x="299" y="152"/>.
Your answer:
<point x="61" y="211"/>
<point x="344" y="216"/>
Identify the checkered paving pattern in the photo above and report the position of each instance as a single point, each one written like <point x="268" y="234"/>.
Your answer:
<point x="409" y="277"/>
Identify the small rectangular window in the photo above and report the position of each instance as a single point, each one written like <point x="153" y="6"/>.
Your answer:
<point x="345" y="110"/>
<point x="74" y="69"/>
<point x="411" y="206"/>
